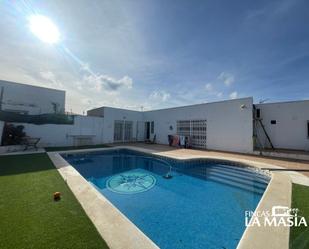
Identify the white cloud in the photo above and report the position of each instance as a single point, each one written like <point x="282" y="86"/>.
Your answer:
<point x="212" y="91"/>
<point x="101" y="81"/>
<point x="85" y="67"/>
<point x="219" y="94"/>
<point x="161" y="96"/>
<point x="87" y="101"/>
<point x="227" y="78"/>
<point x="48" y="75"/>
<point x="208" y="87"/>
<point x="51" y="78"/>
<point x="234" y="95"/>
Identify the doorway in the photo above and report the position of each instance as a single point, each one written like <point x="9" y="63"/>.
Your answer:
<point x="123" y="131"/>
<point x="147" y="130"/>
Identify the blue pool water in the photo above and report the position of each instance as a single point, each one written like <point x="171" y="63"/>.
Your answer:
<point x="201" y="206"/>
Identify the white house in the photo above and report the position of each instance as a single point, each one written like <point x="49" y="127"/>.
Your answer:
<point x="224" y="125"/>
<point x="27" y="99"/>
<point x="232" y="125"/>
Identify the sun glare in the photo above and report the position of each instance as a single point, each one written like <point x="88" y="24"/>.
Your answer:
<point x="44" y="29"/>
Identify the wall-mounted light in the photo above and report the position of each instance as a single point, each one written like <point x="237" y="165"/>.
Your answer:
<point x="243" y="106"/>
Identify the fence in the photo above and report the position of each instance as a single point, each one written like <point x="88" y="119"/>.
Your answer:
<point x="49" y="118"/>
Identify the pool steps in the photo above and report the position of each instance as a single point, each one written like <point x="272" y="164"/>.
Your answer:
<point x="234" y="181"/>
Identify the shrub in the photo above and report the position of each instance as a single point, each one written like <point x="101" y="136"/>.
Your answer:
<point x="12" y="135"/>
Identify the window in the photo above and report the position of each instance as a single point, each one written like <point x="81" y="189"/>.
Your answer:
<point x="258" y="113"/>
<point x="308" y="128"/>
<point x="152" y="127"/>
<point x="195" y="129"/>
<point x="273" y="122"/>
<point x="123" y="131"/>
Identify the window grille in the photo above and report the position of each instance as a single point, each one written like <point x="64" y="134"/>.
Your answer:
<point x="196" y="129"/>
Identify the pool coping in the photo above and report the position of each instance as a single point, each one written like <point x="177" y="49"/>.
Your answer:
<point x="119" y="232"/>
<point x="114" y="227"/>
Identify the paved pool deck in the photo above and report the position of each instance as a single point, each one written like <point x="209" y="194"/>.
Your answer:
<point x="301" y="166"/>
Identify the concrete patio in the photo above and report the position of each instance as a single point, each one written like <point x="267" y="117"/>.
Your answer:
<point x="301" y="166"/>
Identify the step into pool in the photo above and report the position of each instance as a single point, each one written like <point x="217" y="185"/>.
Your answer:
<point x="189" y="204"/>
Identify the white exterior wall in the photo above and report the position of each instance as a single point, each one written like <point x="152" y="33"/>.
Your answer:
<point x="31" y="99"/>
<point x="112" y="114"/>
<point x="290" y="130"/>
<point x="229" y="127"/>
<point x="63" y="135"/>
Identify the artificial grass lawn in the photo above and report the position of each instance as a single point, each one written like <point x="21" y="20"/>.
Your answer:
<point x="75" y="147"/>
<point x="299" y="236"/>
<point x="29" y="218"/>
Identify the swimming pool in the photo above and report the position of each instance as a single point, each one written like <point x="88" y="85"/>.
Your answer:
<point x="201" y="206"/>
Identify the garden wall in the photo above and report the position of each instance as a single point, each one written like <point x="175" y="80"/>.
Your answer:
<point x="84" y="131"/>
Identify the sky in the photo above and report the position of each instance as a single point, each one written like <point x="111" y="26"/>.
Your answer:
<point x="151" y="54"/>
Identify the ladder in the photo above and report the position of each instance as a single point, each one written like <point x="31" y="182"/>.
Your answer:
<point x="268" y="138"/>
<point x="263" y="128"/>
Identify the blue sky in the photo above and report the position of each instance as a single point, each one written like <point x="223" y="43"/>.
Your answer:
<point x="160" y="54"/>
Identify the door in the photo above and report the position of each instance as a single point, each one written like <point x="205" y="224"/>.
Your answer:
<point x="147" y="130"/>
<point x="128" y="131"/>
<point x="118" y="131"/>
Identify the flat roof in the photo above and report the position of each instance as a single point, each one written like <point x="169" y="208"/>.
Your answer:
<point x="29" y="85"/>
<point x="168" y="108"/>
<point x="206" y="103"/>
<point x="284" y="102"/>
<point x="110" y="107"/>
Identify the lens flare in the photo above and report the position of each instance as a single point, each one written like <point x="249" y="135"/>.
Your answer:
<point x="44" y="29"/>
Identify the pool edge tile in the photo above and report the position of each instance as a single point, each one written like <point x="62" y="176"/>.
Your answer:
<point x="117" y="230"/>
<point x="278" y="193"/>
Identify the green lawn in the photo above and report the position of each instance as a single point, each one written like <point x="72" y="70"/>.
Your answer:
<point x="29" y="218"/>
<point x="299" y="236"/>
<point x="76" y="147"/>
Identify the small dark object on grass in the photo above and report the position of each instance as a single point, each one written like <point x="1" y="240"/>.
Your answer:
<point x="57" y="196"/>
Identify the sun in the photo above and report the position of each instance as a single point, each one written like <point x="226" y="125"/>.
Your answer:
<point x="44" y="29"/>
